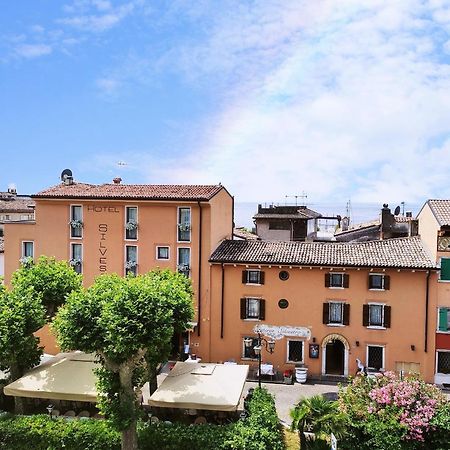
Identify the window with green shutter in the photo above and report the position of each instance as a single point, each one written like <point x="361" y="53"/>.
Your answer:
<point x="445" y="269"/>
<point x="444" y="319"/>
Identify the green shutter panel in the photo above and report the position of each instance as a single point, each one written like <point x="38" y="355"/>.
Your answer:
<point x="387" y="317"/>
<point x="387" y="282"/>
<point x="346" y="320"/>
<point x="346" y="280"/>
<point x="327" y="280"/>
<point x="244" y="276"/>
<point x="326" y="313"/>
<point x="445" y="269"/>
<point x="262" y="309"/>
<point x="369" y="281"/>
<point x="443" y="312"/>
<point x="243" y="308"/>
<point x="261" y="277"/>
<point x="365" y="315"/>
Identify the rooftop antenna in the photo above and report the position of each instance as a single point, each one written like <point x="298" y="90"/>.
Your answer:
<point x="348" y="211"/>
<point x="403" y="208"/>
<point x="303" y="196"/>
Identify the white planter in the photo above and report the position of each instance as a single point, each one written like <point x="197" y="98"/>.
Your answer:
<point x="301" y="374"/>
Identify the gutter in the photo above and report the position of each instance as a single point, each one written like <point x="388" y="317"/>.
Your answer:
<point x="200" y="269"/>
<point x="222" y="302"/>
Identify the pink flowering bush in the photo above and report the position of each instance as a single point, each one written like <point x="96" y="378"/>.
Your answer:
<point x="386" y="412"/>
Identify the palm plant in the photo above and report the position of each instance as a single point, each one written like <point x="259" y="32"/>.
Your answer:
<point x="319" y="416"/>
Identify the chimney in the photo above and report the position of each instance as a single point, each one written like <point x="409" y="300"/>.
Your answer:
<point x="408" y="213"/>
<point x="345" y="223"/>
<point x="387" y="220"/>
<point x="12" y="191"/>
<point x="117" y="180"/>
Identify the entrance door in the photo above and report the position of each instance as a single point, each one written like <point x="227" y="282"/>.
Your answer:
<point x="334" y="359"/>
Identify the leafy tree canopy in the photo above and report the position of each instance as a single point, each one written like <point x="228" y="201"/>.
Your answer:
<point x="54" y="280"/>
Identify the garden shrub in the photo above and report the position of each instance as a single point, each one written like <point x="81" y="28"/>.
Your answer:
<point x="261" y="430"/>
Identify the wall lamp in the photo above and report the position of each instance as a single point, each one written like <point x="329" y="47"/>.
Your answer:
<point x="357" y="343"/>
<point x="413" y="347"/>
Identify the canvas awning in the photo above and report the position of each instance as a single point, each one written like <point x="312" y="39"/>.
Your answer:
<point x="68" y="376"/>
<point x="201" y="386"/>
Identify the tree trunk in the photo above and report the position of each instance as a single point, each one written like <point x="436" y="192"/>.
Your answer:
<point x="153" y="381"/>
<point x="128" y="397"/>
<point x="19" y="402"/>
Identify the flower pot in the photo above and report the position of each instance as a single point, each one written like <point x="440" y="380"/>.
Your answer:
<point x="301" y="374"/>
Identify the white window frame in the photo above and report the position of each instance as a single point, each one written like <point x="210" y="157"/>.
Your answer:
<point x="82" y="254"/>
<point x="341" y="324"/>
<point x="247" y="277"/>
<point x="383" y="278"/>
<point x="125" y="258"/>
<point x="137" y="221"/>
<point x="190" y="260"/>
<point x="384" y="354"/>
<point x="342" y="283"/>
<point x="71" y="218"/>
<point x="377" y="327"/>
<point x="243" y="357"/>
<point x="287" y="351"/>
<point x="190" y="224"/>
<point x="157" y="252"/>
<point x="253" y="319"/>
<point x="22" y="251"/>
<point x="436" y="364"/>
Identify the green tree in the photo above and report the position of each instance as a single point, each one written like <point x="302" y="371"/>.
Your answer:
<point x="21" y="314"/>
<point x="54" y="280"/>
<point x="125" y="321"/>
<point x="317" y="415"/>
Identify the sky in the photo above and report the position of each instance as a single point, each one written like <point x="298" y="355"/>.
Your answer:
<point x="339" y="99"/>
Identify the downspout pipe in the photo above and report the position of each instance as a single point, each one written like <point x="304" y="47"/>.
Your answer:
<point x="222" y="302"/>
<point x="427" y="301"/>
<point x="200" y="268"/>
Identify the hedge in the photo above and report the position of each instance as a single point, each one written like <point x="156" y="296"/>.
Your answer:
<point x="260" y="430"/>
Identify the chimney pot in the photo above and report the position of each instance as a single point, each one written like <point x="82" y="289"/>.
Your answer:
<point x="117" y="180"/>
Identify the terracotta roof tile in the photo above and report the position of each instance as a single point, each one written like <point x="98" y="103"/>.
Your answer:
<point x="130" y="191"/>
<point x="17" y="205"/>
<point x="441" y="210"/>
<point x="242" y="233"/>
<point x="398" y="253"/>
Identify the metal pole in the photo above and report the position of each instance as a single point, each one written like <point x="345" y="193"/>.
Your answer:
<point x="259" y="360"/>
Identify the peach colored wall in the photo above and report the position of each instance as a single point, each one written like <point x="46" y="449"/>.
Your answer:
<point x="428" y="229"/>
<point x="306" y="294"/>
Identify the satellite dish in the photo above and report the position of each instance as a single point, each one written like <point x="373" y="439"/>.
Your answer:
<point x="66" y="173"/>
<point x="397" y="211"/>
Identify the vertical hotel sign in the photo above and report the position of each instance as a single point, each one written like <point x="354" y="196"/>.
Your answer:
<point x="102" y="229"/>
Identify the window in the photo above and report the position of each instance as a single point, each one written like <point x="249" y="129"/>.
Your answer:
<point x="131" y="223"/>
<point x="252" y="276"/>
<point x="443" y="362"/>
<point x="445" y="269"/>
<point x="162" y="252"/>
<point x="76" y="257"/>
<point x="252" y="308"/>
<point x="284" y="275"/>
<point x="336" y="280"/>
<point x="375" y="357"/>
<point x="28" y="249"/>
<point x="379" y="281"/>
<point x="283" y="303"/>
<point x="295" y="351"/>
<point x="184" y="224"/>
<point x="376" y="315"/>
<point x="279" y="225"/>
<point x="336" y="313"/>
<point x="184" y="260"/>
<point x="249" y="352"/>
<point x="444" y="319"/>
<point x="76" y="221"/>
<point x="130" y="259"/>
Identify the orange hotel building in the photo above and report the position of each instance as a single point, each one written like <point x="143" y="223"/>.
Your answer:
<point x="334" y="303"/>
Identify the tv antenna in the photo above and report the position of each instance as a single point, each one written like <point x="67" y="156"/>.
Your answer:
<point x="303" y="196"/>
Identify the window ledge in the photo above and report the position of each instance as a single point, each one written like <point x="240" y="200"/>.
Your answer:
<point x="443" y="281"/>
<point x="377" y="289"/>
<point x="336" y="287"/>
<point x="243" y="358"/>
<point x="296" y="362"/>
<point x="443" y="332"/>
<point x="253" y="284"/>
<point x="251" y="319"/>
<point x="335" y="325"/>
<point x="376" y="327"/>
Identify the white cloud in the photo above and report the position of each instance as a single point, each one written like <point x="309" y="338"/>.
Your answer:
<point x="33" y="50"/>
<point x="108" y="86"/>
<point x="338" y="99"/>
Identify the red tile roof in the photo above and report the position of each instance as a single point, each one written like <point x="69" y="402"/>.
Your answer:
<point x="130" y="191"/>
<point x="398" y="253"/>
<point x="441" y="210"/>
<point x="17" y="205"/>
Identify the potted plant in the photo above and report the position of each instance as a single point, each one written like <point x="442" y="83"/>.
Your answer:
<point x="288" y="376"/>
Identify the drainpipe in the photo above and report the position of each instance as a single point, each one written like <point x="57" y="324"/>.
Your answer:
<point x="427" y="301"/>
<point x="199" y="270"/>
<point x="222" y="302"/>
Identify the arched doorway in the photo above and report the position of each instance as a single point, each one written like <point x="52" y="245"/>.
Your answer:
<point x="335" y="355"/>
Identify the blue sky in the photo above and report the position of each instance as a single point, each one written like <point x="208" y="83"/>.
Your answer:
<point x="342" y="99"/>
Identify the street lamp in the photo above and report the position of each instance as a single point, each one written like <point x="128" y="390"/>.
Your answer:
<point x="50" y="410"/>
<point x="269" y="345"/>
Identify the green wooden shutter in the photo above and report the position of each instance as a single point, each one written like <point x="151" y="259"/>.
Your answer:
<point x="387" y="282"/>
<point x="443" y="322"/>
<point x="244" y="276"/>
<point x="387" y="317"/>
<point x="445" y="269"/>
<point x="326" y="313"/>
<point x="243" y="308"/>
<point x="262" y="309"/>
<point x="346" y="317"/>
<point x="327" y="280"/>
<point x="365" y="315"/>
<point x="346" y="280"/>
<point x="261" y="277"/>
